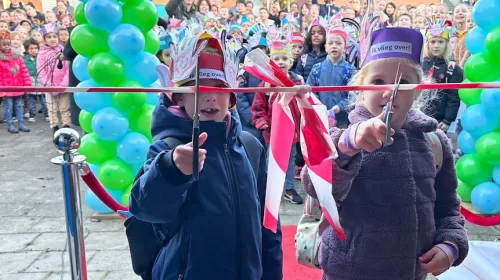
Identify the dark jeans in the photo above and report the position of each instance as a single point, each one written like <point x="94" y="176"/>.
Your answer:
<point x="32" y="100"/>
<point x="13" y="104"/>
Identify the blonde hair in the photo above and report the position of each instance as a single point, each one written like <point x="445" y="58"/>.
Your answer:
<point x="422" y="102"/>
<point x="447" y="54"/>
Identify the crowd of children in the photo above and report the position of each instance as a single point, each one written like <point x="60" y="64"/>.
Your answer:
<point x="39" y="38"/>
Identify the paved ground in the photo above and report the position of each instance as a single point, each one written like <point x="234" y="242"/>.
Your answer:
<point x="32" y="223"/>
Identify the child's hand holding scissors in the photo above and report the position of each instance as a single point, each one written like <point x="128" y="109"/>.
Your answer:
<point x="183" y="156"/>
<point x="370" y="135"/>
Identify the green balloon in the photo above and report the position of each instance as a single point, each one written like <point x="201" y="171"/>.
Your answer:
<point x="488" y="148"/>
<point x="472" y="171"/>
<point x="88" y="41"/>
<point x="97" y="150"/>
<point x="152" y="42"/>
<point x="80" y="14"/>
<point x="140" y="121"/>
<point x="128" y="102"/>
<point x="125" y="198"/>
<point x="464" y="191"/>
<point x="142" y="14"/>
<point x="470" y="96"/>
<point x="481" y="67"/>
<point x="492" y="42"/>
<point x="107" y="69"/>
<point x="85" y="119"/>
<point x="115" y="174"/>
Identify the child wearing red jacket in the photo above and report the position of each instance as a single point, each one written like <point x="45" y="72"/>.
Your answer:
<point x="281" y="54"/>
<point x="13" y="72"/>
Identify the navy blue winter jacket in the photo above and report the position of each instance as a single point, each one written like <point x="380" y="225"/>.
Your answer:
<point x="307" y="61"/>
<point x="220" y="232"/>
<point x="244" y="104"/>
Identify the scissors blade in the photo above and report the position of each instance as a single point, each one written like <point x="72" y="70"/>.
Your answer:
<point x="388" y="108"/>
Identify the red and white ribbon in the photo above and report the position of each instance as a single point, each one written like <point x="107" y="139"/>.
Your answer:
<point x="288" y="89"/>
<point x="282" y="134"/>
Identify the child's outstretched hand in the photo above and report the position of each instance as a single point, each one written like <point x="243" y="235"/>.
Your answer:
<point x="183" y="156"/>
<point x="435" y="261"/>
<point x="370" y="134"/>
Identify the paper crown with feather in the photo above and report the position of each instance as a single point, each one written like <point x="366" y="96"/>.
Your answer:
<point x="209" y="16"/>
<point x="49" y="28"/>
<point x="218" y="59"/>
<point x="379" y="41"/>
<point x="258" y="36"/>
<point x="290" y="19"/>
<point x="280" y="47"/>
<point x="321" y="21"/>
<point x="164" y="37"/>
<point x="440" y="28"/>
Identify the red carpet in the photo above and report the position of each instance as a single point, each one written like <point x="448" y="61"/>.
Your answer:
<point x="291" y="269"/>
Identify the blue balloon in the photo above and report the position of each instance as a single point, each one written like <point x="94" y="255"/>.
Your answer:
<point x="485" y="197"/>
<point x="496" y="174"/>
<point x="96" y="205"/>
<point x="94" y="168"/>
<point x="142" y="68"/>
<point x="483" y="15"/>
<point x="136" y="167"/>
<point x="133" y="148"/>
<point x="475" y="40"/>
<point x="126" y="41"/>
<point x="103" y="14"/>
<point x="151" y="98"/>
<point x="466" y="142"/>
<point x="80" y="68"/>
<point x="109" y="124"/>
<point x="490" y="98"/>
<point x="477" y="121"/>
<point x="92" y="101"/>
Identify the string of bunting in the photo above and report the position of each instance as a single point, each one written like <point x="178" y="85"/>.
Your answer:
<point x="255" y="89"/>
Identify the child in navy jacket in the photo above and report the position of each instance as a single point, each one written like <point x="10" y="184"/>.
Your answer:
<point x="220" y="233"/>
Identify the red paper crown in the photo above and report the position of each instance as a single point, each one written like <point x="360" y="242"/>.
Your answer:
<point x="297" y="38"/>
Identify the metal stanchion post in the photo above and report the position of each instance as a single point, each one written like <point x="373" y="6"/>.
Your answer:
<point x="67" y="142"/>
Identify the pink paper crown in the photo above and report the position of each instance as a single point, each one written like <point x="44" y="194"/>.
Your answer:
<point x="174" y="23"/>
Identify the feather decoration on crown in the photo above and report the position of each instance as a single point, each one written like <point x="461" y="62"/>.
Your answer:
<point x="371" y="22"/>
<point x="440" y="28"/>
<point x="352" y="27"/>
<point x="273" y="33"/>
<point x="258" y="36"/>
<point x="232" y="56"/>
<point x="193" y="28"/>
<point x="209" y="16"/>
<point x="185" y="55"/>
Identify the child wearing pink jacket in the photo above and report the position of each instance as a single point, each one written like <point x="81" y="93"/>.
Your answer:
<point x="53" y="71"/>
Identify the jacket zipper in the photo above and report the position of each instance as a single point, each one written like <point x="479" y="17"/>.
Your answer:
<point x="236" y="209"/>
<point x="185" y="251"/>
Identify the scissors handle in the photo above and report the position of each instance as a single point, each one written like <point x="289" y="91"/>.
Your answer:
<point x="388" y="121"/>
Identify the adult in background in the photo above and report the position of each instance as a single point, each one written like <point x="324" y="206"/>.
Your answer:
<point x="14" y="4"/>
<point x="31" y="11"/>
<point x="70" y="8"/>
<point x="328" y="9"/>
<point x="181" y="9"/>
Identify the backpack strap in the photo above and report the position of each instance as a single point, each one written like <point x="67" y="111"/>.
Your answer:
<point x="252" y="148"/>
<point x="437" y="148"/>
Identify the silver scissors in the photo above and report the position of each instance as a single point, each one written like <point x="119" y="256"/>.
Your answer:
<point x="388" y="108"/>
